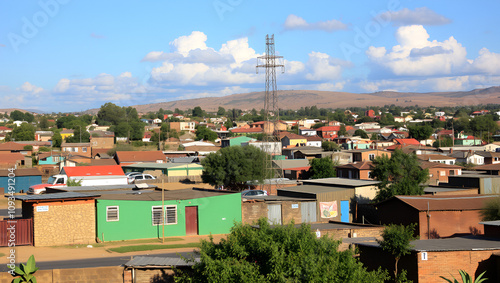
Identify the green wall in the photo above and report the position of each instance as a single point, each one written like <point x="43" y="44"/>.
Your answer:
<point x="216" y="215"/>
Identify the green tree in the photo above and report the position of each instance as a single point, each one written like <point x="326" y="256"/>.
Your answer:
<point x="420" y="132"/>
<point x="205" y="133"/>
<point x="233" y="166"/>
<point x="330" y="146"/>
<point x="342" y="131"/>
<point x="361" y="133"/>
<point x="44" y="123"/>
<point x="25" y="272"/>
<point x="28" y="117"/>
<point x="25" y="132"/>
<point x="396" y="240"/>
<point x="491" y="210"/>
<point x="56" y="139"/>
<point x="221" y="111"/>
<point x="197" y="112"/>
<point x="398" y="175"/>
<point x="374" y="137"/>
<point x="17" y="115"/>
<point x="80" y="134"/>
<point x="276" y="254"/>
<point x="322" y="168"/>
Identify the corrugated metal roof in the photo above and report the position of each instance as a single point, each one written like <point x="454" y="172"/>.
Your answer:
<point x="99" y="188"/>
<point x="169" y="195"/>
<point x="65" y="195"/>
<point x="161" y="166"/>
<point x="440" y="203"/>
<point x="142" y="261"/>
<point x="341" y="182"/>
<point x="491" y="223"/>
<point x="312" y="189"/>
<point x="21" y="172"/>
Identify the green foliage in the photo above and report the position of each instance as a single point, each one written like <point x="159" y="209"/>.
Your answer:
<point x="43" y="149"/>
<point x="205" y="133"/>
<point x="56" y="139"/>
<point x="443" y="142"/>
<point x="17" y="115"/>
<point x="330" y="146"/>
<point x="374" y="137"/>
<point x="361" y="133"/>
<point x="398" y="175"/>
<point x="221" y="111"/>
<point x="233" y="166"/>
<point x="491" y="210"/>
<point x="25" y="272"/>
<point x="44" y="123"/>
<point x="198" y="112"/>
<point x="317" y="125"/>
<point x="396" y="240"/>
<point x="74" y="183"/>
<point x="25" y="132"/>
<point x="124" y="121"/>
<point x="80" y="134"/>
<point x="276" y="254"/>
<point x="466" y="278"/>
<point x="137" y="143"/>
<point x="342" y="131"/>
<point x="420" y="132"/>
<point x="28" y="147"/>
<point x="322" y="168"/>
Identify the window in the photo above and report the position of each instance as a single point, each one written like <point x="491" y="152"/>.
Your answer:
<point x="442" y="173"/>
<point x="75" y="149"/>
<point x="112" y="213"/>
<point x="84" y="149"/>
<point x="157" y="215"/>
<point x="371" y="156"/>
<point x="171" y="214"/>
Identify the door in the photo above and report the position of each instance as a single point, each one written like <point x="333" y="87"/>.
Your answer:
<point x="191" y="220"/>
<point x="308" y="210"/>
<point x="274" y="214"/>
<point x="344" y="211"/>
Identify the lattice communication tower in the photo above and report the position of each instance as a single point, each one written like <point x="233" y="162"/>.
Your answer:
<point x="270" y="62"/>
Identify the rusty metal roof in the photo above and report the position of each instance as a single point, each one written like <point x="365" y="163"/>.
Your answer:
<point x="442" y="203"/>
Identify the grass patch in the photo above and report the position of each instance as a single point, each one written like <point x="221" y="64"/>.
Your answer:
<point x="140" y="248"/>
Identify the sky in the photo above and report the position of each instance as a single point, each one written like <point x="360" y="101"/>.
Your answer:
<point x="67" y="55"/>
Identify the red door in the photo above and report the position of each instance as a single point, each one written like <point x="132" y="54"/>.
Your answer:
<point x="191" y="220"/>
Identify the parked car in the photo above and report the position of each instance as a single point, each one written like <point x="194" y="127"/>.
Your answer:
<point x="128" y="174"/>
<point x="253" y="193"/>
<point x="139" y="177"/>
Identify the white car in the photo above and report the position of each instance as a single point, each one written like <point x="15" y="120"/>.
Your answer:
<point x="139" y="177"/>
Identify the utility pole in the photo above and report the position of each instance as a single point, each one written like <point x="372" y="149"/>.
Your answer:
<point x="270" y="62"/>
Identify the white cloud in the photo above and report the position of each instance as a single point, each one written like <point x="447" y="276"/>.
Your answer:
<point x="487" y="62"/>
<point x="419" y="16"/>
<point x="294" y="22"/>
<point x="323" y="67"/>
<point x="29" y="88"/>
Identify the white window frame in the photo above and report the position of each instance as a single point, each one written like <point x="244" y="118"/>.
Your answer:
<point x="153" y="222"/>
<point x="108" y="208"/>
<point x="173" y="209"/>
<point x="84" y="149"/>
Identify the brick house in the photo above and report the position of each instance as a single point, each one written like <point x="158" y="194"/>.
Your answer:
<point x="183" y="126"/>
<point x="132" y="157"/>
<point x="82" y="149"/>
<point x="360" y="155"/>
<point x="102" y="139"/>
<point x="437" y="216"/>
<point x="356" y="170"/>
<point x="439" y="172"/>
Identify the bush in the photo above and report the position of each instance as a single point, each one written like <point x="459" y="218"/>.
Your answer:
<point x="137" y="143"/>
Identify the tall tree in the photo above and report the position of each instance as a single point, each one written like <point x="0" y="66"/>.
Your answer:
<point x="25" y="132"/>
<point x="197" y="112"/>
<point x="56" y="139"/>
<point x="17" y="115"/>
<point x="420" y="132"/>
<point x="361" y="133"/>
<point x="233" y="166"/>
<point x="399" y="175"/>
<point x="276" y="254"/>
<point x="221" y="111"/>
<point x="342" y="131"/>
<point x="396" y="240"/>
<point x="204" y="133"/>
<point x="322" y="168"/>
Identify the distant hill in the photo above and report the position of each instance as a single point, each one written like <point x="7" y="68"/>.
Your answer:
<point x="295" y="99"/>
<point x="9" y="110"/>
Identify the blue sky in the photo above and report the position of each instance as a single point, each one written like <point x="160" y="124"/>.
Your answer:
<point x="66" y="55"/>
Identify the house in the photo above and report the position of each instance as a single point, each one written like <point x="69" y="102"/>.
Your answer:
<point x="314" y="141"/>
<point x="487" y="184"/>
<point x="102" y="139"/>
<point x="468" y="157"/>
<point x="331" y="203"/>
<point x="235" y="141"/>
<point x="4" y="130"/>
<point x="13" y="159"/>
<point x="126" y="216"/>
<point x="133" y="157"/>
<point x="51" y="158"/>
<point x="13" y="147"/>
<point x="368" y="154"/>
<point x="61" y="218"/>
<point x="368" y="126"/>
<point x="303" y="131"/>
<point x="439" y="172"/>
<point x="273" y="148"/>
<point x="468" y="141"/>
<point x="490" y="157"/>
<point x="34" y="145"/>
<point x="291" y="139"/>
<point x="328" y="132"/>
<point x="246" y="131"/>
<point x="356" y="170"/>
<point x="147" y="136"/>
<point x="23" y="179"/>
<point x="183" y="126"/>
<point x="430" y="259"/>
<point x="43" y="135"/>
<point x="82" y="149"/>
<point x="170" y="172"/>
<point x="66" y="133"/>
<point x="293" y="169"/>
<point x="438" y="216"/>
<point x="437" y="158"/>
<point x="269" y="127"/>
<point x="305" y="152"/>
<point x="490" y="169"/>
<point x="356" y="143"/>
<point x="364" y="190"/>
<point x="370" y="113"/>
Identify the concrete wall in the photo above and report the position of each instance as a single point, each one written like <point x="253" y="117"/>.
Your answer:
<point x="70" y="222"/>
<point x="252" y="211"/>
<point x="80" y="275"/>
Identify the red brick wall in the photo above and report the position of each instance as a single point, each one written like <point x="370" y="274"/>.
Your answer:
<point x="446" y="263"/>
<point x="447" y="223"/>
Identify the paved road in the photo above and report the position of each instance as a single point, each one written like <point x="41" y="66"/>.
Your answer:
<point x="93" y="262"/>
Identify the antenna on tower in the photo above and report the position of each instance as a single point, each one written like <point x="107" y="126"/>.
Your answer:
<point x="270" y="62"/>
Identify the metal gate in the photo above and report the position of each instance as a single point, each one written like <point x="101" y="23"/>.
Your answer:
<point x="17" y="231"/>
<point x="274" y="214"/>
<point x="308" y="211"/>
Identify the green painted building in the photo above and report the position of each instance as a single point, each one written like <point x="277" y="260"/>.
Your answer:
<point x="233" y="141"/>
<point x="130" y="216"/>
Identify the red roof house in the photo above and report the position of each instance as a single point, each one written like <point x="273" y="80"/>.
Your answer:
<point x="104" y="170"/>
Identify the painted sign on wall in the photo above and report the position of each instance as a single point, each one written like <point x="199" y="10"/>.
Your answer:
<point x="328" y="209"/>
